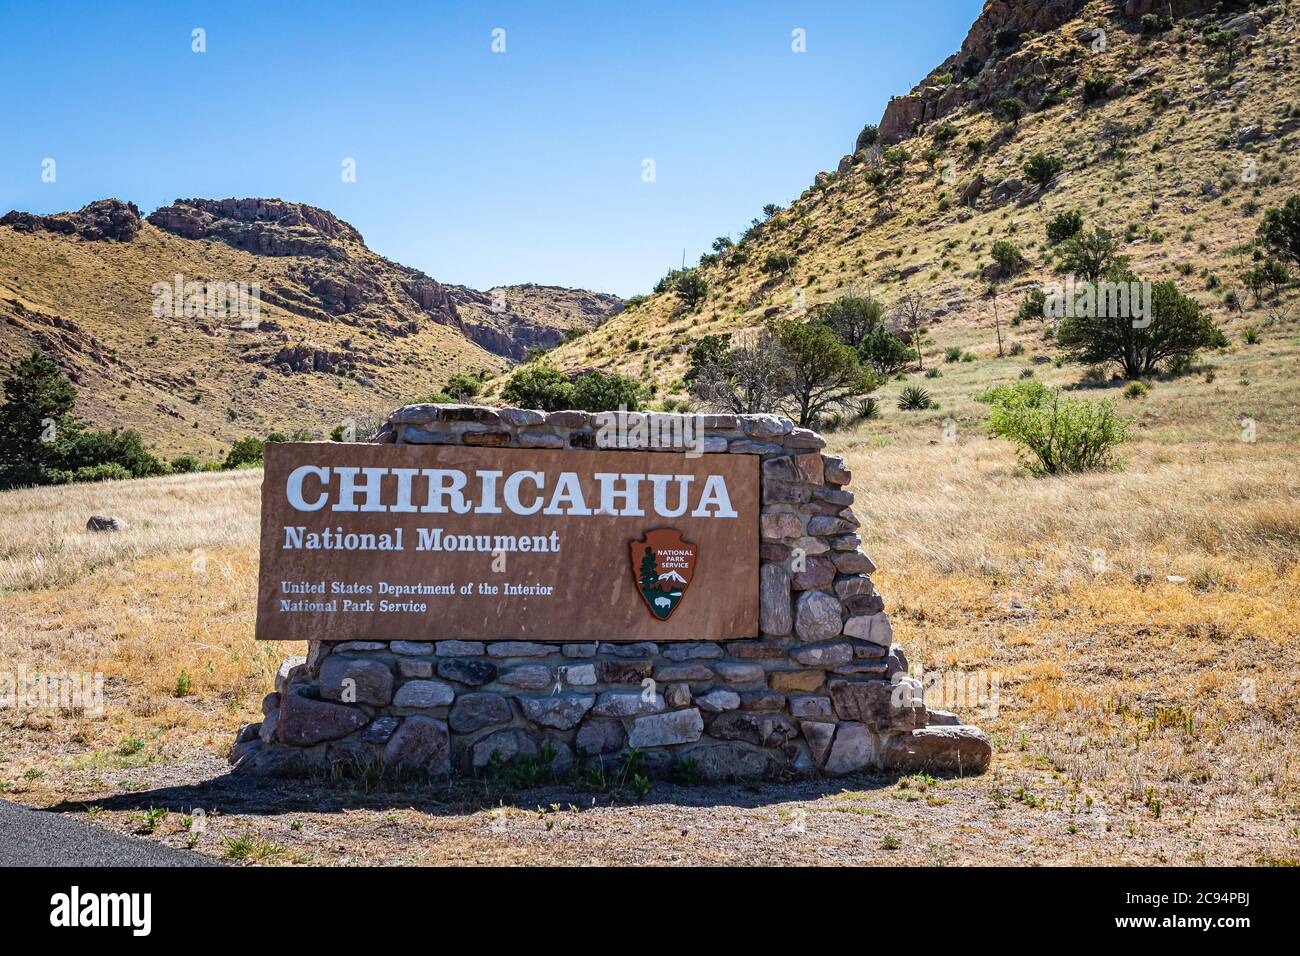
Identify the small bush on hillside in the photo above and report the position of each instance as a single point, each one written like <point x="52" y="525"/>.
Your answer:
<point x="952" y="354"/>
<point x="1041" y="169"/>
<point x="1031" y="308"/>
<point x="778" y="263"/>
<point x="1136" y="389"/>
<point x="1007" y="255"/>
<point x="1064" y="225"/>
<point x="1060" y="435"/>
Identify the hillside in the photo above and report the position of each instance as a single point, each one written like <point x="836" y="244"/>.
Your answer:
<point x="340" y="331"/>
<point x="1174" y="152"/>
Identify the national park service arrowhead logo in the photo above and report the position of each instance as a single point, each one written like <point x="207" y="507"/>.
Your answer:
<point x="662" y="566"/>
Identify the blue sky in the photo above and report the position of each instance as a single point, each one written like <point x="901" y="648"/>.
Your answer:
<point x="480" y="168"/>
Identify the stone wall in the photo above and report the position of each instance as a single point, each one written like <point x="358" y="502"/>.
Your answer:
<point x="823" y="689"/>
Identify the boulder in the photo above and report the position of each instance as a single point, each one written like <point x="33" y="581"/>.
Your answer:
<point x="854" y="749"/>
<point x="598" y="736"/>
<point x="105" y="523"/>
<point x="763" y="730"/>
<point x="661" y="730"/>
<point x="961" y="749"/>
<point x="423" y="694"/>
<point x="421" y="742"/>
<point x="817" y="615"/>
<point x="560" y="711"/>
<point x="774" y="611"/>
<point x="304" y="722"/>
<point x="473" y="673"/>
<point x="617" y="703"/>
<point x="475" y="711"/>
<point x="356" y="681"/>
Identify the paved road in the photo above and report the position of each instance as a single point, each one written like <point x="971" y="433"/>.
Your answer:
<point x="38" y="838"/>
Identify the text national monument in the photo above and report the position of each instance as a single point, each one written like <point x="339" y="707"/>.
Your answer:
<point x="480" y="586"/>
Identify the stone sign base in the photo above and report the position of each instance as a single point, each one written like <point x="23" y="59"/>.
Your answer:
<point x="732" y="710"/>
<point x="822" y="689"/>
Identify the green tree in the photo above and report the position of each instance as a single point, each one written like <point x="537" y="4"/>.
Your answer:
<point x="852" y="318"/>
<point x="606" y="392"/>
<point x="867" y="138"/>
<point x="1006" y="254"/>
<point x="1064" y="225"/>
<point x="824" y="372"/>
<point x="36" y="421"/>
<point x="884" y="352"/>
<point x="1041" y="169"/>
<point x="246" y="451"/>
<point x="691" y="288"/>
<point x="539" y="385"/>
<point x="1174" y="331"/>
<point x="463" y="386"/>
<point x="706" y="350"/>
<point x="1010" y="110"/>
<point x="1090" y="255"/>
<point x="1280" y="230"/>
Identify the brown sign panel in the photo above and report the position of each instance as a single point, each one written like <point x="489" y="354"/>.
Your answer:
<point x="436" y="542"/>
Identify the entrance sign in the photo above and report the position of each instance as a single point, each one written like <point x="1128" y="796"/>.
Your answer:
<point x="433" y="542"/>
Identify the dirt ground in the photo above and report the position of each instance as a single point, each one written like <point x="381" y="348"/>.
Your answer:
<point x="1014" y="814"/>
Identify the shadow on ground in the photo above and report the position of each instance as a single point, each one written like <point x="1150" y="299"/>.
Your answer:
<point x="267" y="797"/>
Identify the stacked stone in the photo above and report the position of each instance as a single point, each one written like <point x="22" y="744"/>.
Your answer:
<point x="822" y="688"/>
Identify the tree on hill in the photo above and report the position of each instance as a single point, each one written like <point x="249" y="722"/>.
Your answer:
<point x="1174" y="331"/>
<point x="746" y="378"/>
<point x="1041" y="169"/>
<point x="1090" y="255"/>
<point x="858" y="322"/>
<point x="1280" y="230"/>
<point x="912" y="312"/>
<point x="866" y="138"/>
<point x="824" y="372"/>
<point x="545" y="387"/>
<point x="691" y="288"/>
<point x="1010" y="110"/>
<point x="1064" y="225"/>
<point x="42" y="442"/>
<point x="852" y="318"/>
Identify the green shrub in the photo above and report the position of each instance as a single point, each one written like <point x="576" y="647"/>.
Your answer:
<point x="538" y="385"/>
<point x="1041" y="169"/>
<point x="1007" y="255"/>
<point x="110" y="471"/>
<point x="1023" y="393"/>
<point x="1060" y="434"/>
<point x="1136" y="389"/>
<point x="184" y="464"/>
<point x="1064" y="225"/>
<point x="245" y="452"/>
<point x="952" y="354"/>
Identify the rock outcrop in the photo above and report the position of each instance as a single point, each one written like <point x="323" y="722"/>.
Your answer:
<point x="104" y="219"/>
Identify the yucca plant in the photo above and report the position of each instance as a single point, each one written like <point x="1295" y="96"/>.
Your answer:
<point x="915" y="399"/>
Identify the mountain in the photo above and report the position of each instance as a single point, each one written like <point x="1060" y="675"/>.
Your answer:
<point x="338" y="331"/>
<point x="1175" y="123"/>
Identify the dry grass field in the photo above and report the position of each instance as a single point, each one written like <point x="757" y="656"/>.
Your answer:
<point x="1140" y="627"/>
